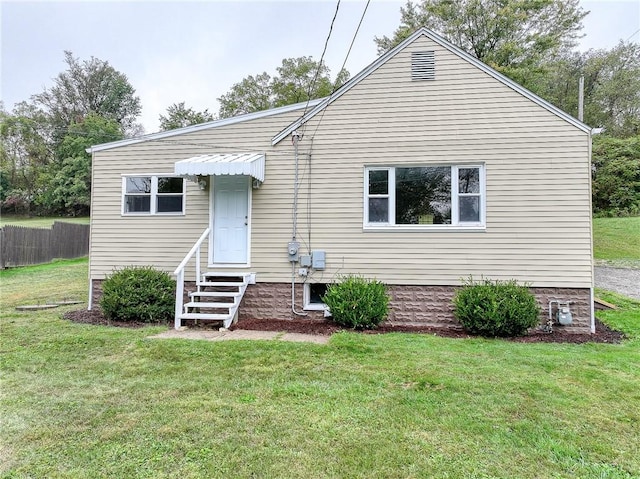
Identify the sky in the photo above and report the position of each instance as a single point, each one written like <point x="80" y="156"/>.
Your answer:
<point x="194" y="51"/>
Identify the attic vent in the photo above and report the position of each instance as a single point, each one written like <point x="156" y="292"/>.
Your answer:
<point x="423" y="65"/>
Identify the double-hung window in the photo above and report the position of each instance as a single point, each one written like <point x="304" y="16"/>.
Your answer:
<point x="424" y="196"/>
<point x="153" y="195"/>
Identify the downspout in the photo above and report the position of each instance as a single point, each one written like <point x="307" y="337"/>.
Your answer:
<point x="90" y="298"/>
<point x="295" y="136"/>
<point x="593" y="131"/>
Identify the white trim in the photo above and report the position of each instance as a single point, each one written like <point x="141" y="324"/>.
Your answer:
<point x="423" y="229"/>
<point x="91" y="213"/>
<point x="453" y="49"/>
<point x="593" y="285"/>
<point x="390" y="195"/>
<point x="455" y="195"/>
<point x="90" y="299"/>
<point x="306" y="299"/>
<point x="153" y="195"/>
<point x="593" y="311"/>
<point x="455" y="225"/>
<point x="203" y="126"/>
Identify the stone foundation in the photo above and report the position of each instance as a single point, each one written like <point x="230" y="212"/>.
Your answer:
<point x="433" y="306"/>
<point x="413" y="305"/>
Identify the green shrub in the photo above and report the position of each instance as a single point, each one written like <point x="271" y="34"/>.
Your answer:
<point x="616" y="176"/>
<point x="500" y="308"/>
<point x="138" y="294"/>
<point x="358" y="303"/>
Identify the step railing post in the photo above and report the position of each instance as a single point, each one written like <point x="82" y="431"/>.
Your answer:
<point x="179" y="298"/>
<point x="198" y="264"/>
<point x="179" y="274"/>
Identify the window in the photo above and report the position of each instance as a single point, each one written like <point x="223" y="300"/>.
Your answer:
<point x="152" y="195"/>
<point x="313" y="293"/>
<point x="424" y="196"/>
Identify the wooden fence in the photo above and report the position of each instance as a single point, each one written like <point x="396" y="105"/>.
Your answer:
<point x="21" y="246"/>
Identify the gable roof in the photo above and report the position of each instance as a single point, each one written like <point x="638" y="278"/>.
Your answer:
<point x="453" y="49"/>
<point x="204" y="126"/>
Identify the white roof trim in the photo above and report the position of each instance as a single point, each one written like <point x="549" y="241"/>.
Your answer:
<point x="453" y="49"/>
<point x="250" y="164"/>
<point x="203" y="126"/>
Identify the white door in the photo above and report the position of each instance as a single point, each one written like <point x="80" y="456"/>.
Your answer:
<point x="230" y="219"/>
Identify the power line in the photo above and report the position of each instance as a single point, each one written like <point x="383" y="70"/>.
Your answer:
<point x="631" y="36"/>
<point x="326" y="43"/>
<point x="335" y="86"/>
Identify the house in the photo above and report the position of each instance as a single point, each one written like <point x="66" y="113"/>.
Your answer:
<point x="424" y="169"/>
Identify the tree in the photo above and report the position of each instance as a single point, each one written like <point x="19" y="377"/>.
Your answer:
<point x="24" y="155"/>
<point x="251" y="94"/>
<point x="91" y="86"/>
<point x="616" y="176"/>
<point x="68" y="181"/>
<point x="179" y="116"/>
<point x="613" y="81"/>
<point x="512" y="36"/>
<point x="298" y="80"/>
<point x="302" y="79"/>
<point x="611" y="87"/>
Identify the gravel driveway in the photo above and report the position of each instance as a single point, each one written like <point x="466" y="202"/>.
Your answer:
<point x="625" y="281"/>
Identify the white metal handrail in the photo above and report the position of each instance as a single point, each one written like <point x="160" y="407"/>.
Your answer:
<point x="179" y="273"/>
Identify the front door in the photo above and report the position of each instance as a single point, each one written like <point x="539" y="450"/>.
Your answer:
<point x="230" y="219"/>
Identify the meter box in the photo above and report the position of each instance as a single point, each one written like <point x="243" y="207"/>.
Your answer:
<point x="292" y="250"/>
<point x="318" y="259"/>
<point x="305" y="260"/>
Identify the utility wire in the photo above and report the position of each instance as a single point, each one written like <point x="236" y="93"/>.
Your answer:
<point x="315" y="78"/>
<point x="335" y="85"/>
<point x="638" y="30"/>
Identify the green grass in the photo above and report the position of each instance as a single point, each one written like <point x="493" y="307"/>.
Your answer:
<point x="626" y="318"/>
<point x="83" y="401"/>
<point x="39" y="221"/>
<point x="617" y="240"/>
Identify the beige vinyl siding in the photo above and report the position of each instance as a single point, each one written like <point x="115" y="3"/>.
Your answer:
<point x="537" y="178"/>
<point x="162" y="241"/>
<point x="537" y="184"/>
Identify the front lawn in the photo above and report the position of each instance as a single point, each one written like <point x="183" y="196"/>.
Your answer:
<point x="83" y="401"/>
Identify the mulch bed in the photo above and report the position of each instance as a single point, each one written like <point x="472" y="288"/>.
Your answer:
<point x="603" y="333"/>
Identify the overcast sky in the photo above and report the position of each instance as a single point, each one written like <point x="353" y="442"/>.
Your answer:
<point x="195" y="51"/>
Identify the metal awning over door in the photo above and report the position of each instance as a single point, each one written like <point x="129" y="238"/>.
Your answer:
<point x="249" y="164"/>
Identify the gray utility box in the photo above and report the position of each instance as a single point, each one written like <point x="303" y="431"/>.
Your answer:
<point x="305" y="260"/>
<point x="318" y="259"/>
<point x="292" y="250"/>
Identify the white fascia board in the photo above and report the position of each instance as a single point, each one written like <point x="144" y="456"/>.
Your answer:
<point x="203" y="126"/>
<point x="453" y="49"/>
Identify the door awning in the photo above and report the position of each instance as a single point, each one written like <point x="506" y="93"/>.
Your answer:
<point x="250" y="164"/>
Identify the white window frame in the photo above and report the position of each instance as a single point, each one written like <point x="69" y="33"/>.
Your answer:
<point x="307" y="304"/>
<point x="153" y="196"/>
<point x="456" y="224"/>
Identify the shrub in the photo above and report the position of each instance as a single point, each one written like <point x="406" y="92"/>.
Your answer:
<point x="358" y="303"/>
<point x="138" y="294"/>
<point x="616" y="176"/>
<point x="500" y="308"/>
